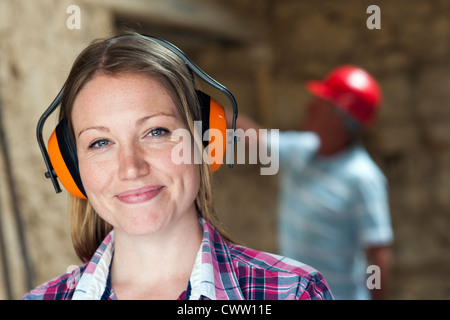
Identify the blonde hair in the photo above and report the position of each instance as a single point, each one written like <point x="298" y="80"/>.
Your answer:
<point x="132" y="53"/>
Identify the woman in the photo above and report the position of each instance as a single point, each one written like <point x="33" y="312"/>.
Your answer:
<point x="148" y="229"/>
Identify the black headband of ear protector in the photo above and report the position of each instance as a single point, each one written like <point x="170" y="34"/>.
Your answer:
<point x="191" y="66"/>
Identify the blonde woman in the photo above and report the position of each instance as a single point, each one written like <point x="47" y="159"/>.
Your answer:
<point x="147" y="229"/>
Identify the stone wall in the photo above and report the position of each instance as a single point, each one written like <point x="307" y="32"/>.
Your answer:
<point x="36" y="52"/>
<point x="293" y="41"/>
<point x="409" y="55"/>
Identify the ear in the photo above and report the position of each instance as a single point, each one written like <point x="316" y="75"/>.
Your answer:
<point x="213" y="117"/>
<point x="63" y="156"/>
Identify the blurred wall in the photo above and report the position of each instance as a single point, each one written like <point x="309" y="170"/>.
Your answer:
<point x="36" y="51"/>
<point x="410" y="56"/>
<point x="264" y="60"/>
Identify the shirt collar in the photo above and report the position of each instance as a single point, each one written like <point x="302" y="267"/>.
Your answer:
<point x="93" y="281"/>
<point x="212" y="276"/>
<point x="218" y="280"/>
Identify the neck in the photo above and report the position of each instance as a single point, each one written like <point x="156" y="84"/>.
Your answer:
<point x="331" y="150"/>
<point x="333" y="144"/>
<point x="157" y="265"/>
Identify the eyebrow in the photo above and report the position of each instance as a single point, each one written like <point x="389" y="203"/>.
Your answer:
<point x="144" y="119"/>
<point x="139" y="122"/>
<point x="99" y="128"/>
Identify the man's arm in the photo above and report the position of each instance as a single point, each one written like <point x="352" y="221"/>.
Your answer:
<point x="381" y="257"/>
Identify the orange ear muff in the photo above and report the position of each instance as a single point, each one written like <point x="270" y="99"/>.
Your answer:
<point x="214" y="120"/>
<point x="217" y="121"/>
<point x="61" y="157"/>
<point x="62" y="154"/>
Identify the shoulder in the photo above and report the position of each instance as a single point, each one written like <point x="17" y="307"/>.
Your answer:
<point x="256" y="275"/>
<point x="363" y="168"/>
<point x="59" y="288"/>
<point x="296" y="148"/>
<point x="299" y="139"/>
<point x="278" y="277"/>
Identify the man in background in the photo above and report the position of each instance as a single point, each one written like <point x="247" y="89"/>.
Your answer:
<point x="333" y="201"/>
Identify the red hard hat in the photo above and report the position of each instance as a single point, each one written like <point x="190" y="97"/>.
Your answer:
<point x="351" y="89"/>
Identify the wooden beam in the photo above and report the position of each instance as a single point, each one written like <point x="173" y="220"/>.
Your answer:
<point x="206" y="18"/>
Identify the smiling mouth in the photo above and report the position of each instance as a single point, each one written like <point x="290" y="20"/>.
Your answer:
<point x="139" y="195"/>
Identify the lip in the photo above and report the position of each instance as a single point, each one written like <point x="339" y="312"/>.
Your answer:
<point x="139" y="195"/>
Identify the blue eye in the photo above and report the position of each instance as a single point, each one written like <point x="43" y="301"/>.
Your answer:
<point x="158" y="132"/>
<point x="99" y="144"/>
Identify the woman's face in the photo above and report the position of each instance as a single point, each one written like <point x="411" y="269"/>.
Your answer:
<point x="123" y="126"/>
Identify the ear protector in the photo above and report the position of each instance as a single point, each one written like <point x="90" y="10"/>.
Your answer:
<point x="61" y="156"/>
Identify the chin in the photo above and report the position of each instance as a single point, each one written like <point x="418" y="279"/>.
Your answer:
<point x="141" y="224"/>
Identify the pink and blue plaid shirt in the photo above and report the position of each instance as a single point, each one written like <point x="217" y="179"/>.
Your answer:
<point x="222" y="271"/>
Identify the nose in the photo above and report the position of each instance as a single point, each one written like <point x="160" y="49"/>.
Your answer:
<point x="132" y="163"/>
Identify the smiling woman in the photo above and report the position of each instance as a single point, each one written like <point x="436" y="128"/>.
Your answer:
<point x="124" y="154"/>
<point x="145" y="227"/>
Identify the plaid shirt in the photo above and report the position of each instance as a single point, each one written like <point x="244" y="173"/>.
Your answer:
<point x="222" y="271"/>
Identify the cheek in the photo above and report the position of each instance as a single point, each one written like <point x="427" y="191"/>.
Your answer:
<point x="94" y="175"/>
<point x="192" y="178"/>
<point x="186" y="178"/>
<point x="187" y="173"/>
<point x="191" y="184"/>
